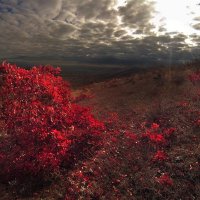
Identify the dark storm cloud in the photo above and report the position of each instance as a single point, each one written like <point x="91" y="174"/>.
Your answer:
<point x="90" y="31"/>
<point x="137" y="14"/>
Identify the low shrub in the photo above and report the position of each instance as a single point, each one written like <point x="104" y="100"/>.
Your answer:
<point x="41" y="127"/>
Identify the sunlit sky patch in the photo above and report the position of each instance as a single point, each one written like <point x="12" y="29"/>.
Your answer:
<point x="177" y="14"/>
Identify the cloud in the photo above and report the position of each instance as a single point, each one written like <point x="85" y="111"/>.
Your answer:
<point x="137" y="14"/>
<point x="87" y="31"/>
<point x="197" y="26"/>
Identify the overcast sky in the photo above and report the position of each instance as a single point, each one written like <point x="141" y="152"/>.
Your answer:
<point x="99" y="31"/>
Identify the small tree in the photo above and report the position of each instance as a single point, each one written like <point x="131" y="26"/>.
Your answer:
<point x="40" y="125"/>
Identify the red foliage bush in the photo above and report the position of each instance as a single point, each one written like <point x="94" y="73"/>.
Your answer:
<point x="154" y="136"/>
<point x="160" y="156"/>
<point x="194" y="77"/>
<point x="165" y="180"/>
<point x="129" y="166"/>
<point x="40" y="123"/>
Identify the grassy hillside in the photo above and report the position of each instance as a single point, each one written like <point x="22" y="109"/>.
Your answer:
<point x="128" y="168"/>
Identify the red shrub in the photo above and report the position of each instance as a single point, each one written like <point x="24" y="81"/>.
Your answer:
<point x="154" y="138"/>
<point x="194" y="77"/>
<point x="160" y="156"/>
<point x="155" y="126"/>
<point x="169" y="132"/>
<point x="40" y="124"/>
<point x="165" y="180"/>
